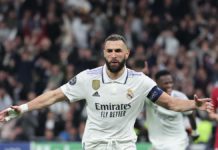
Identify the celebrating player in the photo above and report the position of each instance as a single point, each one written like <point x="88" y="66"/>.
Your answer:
<point x="165" y="126"/>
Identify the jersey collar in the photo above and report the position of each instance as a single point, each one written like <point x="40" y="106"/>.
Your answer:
<point x="121" y="80"/>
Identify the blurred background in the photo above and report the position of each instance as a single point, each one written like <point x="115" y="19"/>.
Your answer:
<point x="44" y="43"/>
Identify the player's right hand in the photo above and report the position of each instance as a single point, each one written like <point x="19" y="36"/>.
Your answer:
<point x="9" y="113"/>
<point x="204" y="104"/>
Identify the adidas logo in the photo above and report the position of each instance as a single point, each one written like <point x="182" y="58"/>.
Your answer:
<point x="96" y="94"/>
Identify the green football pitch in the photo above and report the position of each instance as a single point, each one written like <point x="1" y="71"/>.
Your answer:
<point x="72" y="146"/>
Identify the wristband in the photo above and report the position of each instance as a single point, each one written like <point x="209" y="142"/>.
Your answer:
<point x="23" y="108"/>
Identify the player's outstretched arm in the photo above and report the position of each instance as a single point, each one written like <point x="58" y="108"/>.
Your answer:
<point x="44" y="100"/>
<point x="177" y="104"/>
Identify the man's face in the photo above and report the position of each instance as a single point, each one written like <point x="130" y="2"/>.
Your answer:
<point x="115" y="55"/>
<point x="166" y="83"/>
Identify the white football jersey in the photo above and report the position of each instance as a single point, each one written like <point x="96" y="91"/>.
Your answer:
<point x="112" y="105"/>
<point x="165" y="127"/>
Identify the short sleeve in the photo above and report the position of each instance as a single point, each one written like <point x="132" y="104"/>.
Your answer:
<point x="74" y="89"/>
<point x="152" y="91"/>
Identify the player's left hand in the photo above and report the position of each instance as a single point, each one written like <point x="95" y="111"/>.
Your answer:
<point x="204" y="104"/>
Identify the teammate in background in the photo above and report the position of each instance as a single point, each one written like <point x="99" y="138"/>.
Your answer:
<point x="114" y="97"/>
<point x="214" y="115"/>
<point x="166" y="128"/>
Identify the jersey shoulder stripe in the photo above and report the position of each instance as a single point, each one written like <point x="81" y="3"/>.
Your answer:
<point x="95" y="71"/>
<point x="132" y="73"/>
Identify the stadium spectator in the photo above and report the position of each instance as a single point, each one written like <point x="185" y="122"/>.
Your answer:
<point x="5" y="98"/>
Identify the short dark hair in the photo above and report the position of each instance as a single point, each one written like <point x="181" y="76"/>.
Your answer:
<point x="116" y="37"/>
<point x="161" y="73"/>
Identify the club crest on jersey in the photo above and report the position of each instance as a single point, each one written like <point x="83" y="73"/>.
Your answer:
<point x="129" y="94"/>
<point x="95" y="84"/>
<point x="72" y="81"/>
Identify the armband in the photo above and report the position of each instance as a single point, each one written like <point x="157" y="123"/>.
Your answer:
<point x="155" y="93"/>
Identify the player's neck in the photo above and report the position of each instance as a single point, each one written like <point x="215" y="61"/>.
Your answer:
<point x="116" y="75"/>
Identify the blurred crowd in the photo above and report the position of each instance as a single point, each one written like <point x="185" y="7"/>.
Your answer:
<point x="44" y="43"/>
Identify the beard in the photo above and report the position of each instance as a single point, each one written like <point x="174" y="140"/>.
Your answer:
<point x="115" y="69"/>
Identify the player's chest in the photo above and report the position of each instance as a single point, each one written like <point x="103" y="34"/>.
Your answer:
<point x="113" y="92"/>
